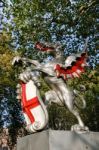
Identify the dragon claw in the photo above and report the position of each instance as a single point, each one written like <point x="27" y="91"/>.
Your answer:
<point x="79" y="129"/>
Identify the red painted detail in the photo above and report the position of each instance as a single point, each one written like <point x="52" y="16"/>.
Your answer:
<point x="28" y="104"/>
<point x="82" y="59"/>
<point x="38" y="45"/>
<point x="71" y="69"/>
<point x="43" y="47"/>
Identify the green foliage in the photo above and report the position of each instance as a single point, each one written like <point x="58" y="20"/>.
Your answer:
<point x="64" y="21"/>
<point x="56" y="20"/>
<point x="6" y="56"/>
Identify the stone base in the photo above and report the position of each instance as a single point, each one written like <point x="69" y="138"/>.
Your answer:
<point x="59" y="140"/>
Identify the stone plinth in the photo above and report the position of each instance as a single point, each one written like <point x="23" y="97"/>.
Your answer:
<point x="59" y="140"/>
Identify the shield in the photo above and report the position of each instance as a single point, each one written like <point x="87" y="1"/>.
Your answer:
<point x="32" y="108"/>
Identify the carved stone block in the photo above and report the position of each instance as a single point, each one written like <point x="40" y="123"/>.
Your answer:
<point x="59" y="140"/>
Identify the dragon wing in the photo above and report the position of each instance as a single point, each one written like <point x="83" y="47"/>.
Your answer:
<point x="43" y="47"/>
<point x="74" y="66"/>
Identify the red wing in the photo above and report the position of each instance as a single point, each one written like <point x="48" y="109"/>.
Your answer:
<point x="43" y="47"/>
<point x="74" y="70"/>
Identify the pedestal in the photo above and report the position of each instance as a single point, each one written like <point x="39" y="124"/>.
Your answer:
<point x="59" y="140"/>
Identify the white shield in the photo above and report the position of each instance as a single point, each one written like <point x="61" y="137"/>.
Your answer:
<point x="34" y="113"/>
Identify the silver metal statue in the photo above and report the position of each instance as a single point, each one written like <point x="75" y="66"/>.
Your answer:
<point x="55" y="72"/>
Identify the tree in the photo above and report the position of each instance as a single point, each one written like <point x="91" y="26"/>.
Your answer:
<point x="65" y="21"/>
<point x="10" y="110"/>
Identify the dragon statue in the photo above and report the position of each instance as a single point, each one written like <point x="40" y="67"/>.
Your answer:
<point x="54" y="72"/>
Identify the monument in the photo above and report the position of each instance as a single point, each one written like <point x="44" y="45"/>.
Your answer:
<point x="54" y="72"/>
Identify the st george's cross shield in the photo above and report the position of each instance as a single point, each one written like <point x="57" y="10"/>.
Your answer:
<point x="32" y="108"/>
